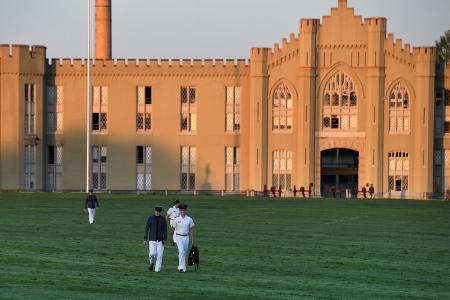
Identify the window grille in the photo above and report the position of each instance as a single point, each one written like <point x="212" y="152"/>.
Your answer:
<point x="232" y="168"/>
<point x="99" y="167"/>
<point x="282" y="109"/>
<point x="340" y="103"/>
<point x="188" y="168"/>
<point x="144" y="168"/>
<point x="399" y="110"/>
<point x="100" y="109"/>
<point x="398" y="174"/>
<point x="55" y="168"/>
<point x="55" y="106"/>
<point x="282" y="163"/>
<point x="30" y="108"/>
<point x="188" y="121"/>
<point x="29" y="167"/>
<point x="233" y="110"/>
<point x="144" y="109"/>
<point x="438" y="158"/>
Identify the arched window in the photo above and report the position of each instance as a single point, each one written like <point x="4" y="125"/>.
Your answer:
<point x="340" y="103"/>
<point x="282" y="104"/>
<point x="282" y="169"/>
<point x="399" y="112"/>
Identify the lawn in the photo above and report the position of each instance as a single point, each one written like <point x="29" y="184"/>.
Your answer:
<point x="250" y="249"/>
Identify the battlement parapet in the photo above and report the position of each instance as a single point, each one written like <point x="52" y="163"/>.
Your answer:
<point x="375" y="24"/>
<point x="425" y="54"/>
<point x="394" y="49"/>
<point x="23" y="59"/>
<point x="179" y="67"/>
<point x="14" y="50"/>
<point x="288" y="50"/>
<point x="309" y="25"/>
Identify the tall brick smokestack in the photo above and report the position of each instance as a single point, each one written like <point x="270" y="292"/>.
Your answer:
<point x="103" y="35"/>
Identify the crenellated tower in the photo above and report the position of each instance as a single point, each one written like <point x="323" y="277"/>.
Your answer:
<point x="375" y="85"/>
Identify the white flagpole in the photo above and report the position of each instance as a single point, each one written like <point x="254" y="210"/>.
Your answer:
<point x="88" y="103"/>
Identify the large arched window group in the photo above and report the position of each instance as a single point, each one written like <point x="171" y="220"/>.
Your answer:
<point x="340" y="103"/>
<point x="282" y="109"/>
<point x="399" y="109"/>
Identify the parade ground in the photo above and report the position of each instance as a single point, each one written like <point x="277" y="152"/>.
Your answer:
<point x="250" y="248"/>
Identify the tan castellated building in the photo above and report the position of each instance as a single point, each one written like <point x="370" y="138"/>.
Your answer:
<point x="340" y="104"/>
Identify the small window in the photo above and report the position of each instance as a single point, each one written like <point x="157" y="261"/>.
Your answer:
<point x="447" y="127"/>
<point x="51" y="155"/>
<point x="95" y="121"/>
<point x="148" y="95"/>
<point x="140" y="154"/>
<point x="104" y="153"/>
<point x="334" y="122"/>
<point x="184" y="122"/>
<point x="398" y="184"/>
<point x="188" y="121"/>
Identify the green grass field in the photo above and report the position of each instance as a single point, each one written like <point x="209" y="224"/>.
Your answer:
<point x="250" y="249"/>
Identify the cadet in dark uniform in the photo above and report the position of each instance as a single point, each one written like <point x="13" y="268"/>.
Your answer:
<point x="155" y="235"/>
<point x="90" y="204"/>
<point x="364" y="192"/>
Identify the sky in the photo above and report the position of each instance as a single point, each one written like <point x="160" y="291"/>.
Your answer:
<point x="202" y="28"/>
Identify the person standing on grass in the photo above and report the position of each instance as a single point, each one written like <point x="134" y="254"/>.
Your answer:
<point x="364" y="192"/>
<point x="90" y="204"/>
<point x="154" y="236"/>
<point x="184" y="227"/>
<point x="173" y="213"/>
<point x="372" y="192"/>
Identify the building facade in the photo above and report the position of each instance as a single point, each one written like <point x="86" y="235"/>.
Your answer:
<point x="339" y="105"/>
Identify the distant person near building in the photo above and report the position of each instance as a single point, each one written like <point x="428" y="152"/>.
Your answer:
<point x="90" y="204"/>
<point x="372" y="192"/>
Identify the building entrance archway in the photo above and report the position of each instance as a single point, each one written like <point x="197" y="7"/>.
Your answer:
<point x="339" y="171"/>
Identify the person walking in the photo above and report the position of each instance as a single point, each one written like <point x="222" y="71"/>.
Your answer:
<point x="154" y="236"/>
<point x="90" y="204"/>
<point x="184" y="227"/>
<point x="173" y="213"/>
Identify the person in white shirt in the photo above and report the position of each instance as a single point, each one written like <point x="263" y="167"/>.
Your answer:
<point x="184" y="227"/>
<point x="172" y="214"/>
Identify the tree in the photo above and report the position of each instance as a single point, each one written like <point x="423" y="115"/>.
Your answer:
<point x="443" y="47"/>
